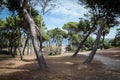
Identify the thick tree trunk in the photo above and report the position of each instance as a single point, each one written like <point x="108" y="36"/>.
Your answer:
<point x="40" y="58"/>
<point x="95" y="46"/>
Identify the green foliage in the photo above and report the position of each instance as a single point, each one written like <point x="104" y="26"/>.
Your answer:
<point x="84" y="26"/>
<point x="103" y="10"/>
<point x="56" y="37"/>
<point x="34" y="13"/>
<point x="13" y="22"/>
<point x="40" y="23"/>
<point x="51" y="53"/>
<point x="2" y="23"/>
<point x="46" y="37"/>
<point x="76" y="32"/>
<point x="89" y="43"/>
<point x="13" y="5"/>
<point x="76" y="37"/>
<point x="71" y="27"/>
<point x="106" y="5"/>
<point x="107" y="43"/>
<point x="57" y="34"/>
<point x="10" y="32"/>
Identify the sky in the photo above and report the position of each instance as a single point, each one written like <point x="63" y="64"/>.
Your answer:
<point x="68" y="10"/>
<point x="65" y="11"/>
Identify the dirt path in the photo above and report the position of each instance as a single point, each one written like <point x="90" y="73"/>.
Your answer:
<point x="109" y="62"/>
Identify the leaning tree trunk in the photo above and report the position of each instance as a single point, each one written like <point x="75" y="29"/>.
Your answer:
<point x="82" y="42"/>
<point x="40" y="33"/>
<point x="40" y="58"/>
<point x="95" y="46"/>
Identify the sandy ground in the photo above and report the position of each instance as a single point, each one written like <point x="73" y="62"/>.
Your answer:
<point x="60" y="67"/>
<point x="113" y="53"/>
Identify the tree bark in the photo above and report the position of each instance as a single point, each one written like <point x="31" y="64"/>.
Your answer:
<point x="21" y="55"/>
<point x="21" y="51"/>
<point x="40" y="58"/>
<point x="95" y="46"/>
<point x="25" y="45"/>
<point x="40" y="33"/>
<point x="40" y="36"/>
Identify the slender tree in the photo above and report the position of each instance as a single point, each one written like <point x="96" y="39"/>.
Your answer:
<point x="96" y="43"/>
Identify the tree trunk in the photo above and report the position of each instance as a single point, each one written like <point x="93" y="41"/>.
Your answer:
<point x="15" y="50"/>
<point x="28" y="47"/>
<point x="21" y="55"/>
<point x="40" y="58"/>
<point x="21" y="51"/>
<point x="11" y="47"/>
<point x="31" y="48"/>
<point x="82" y="42"/>
<point x="11" y="51"/>
<point x="95" y="46"/>
<point x="40" y="33"/>
<point x="25" y="46"/>
<point x="40" y="36"/>
<point x="103" y="45"/>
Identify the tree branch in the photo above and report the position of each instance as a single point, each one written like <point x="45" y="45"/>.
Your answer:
<point x="25" y="4"/>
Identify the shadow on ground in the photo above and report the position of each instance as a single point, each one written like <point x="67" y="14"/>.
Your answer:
<point x="59" y="68"/>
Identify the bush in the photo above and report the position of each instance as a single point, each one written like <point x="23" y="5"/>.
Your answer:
<point x="53" y="53"/>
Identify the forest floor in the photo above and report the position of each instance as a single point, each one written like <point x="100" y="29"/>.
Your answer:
<point x="61" y="67"/>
